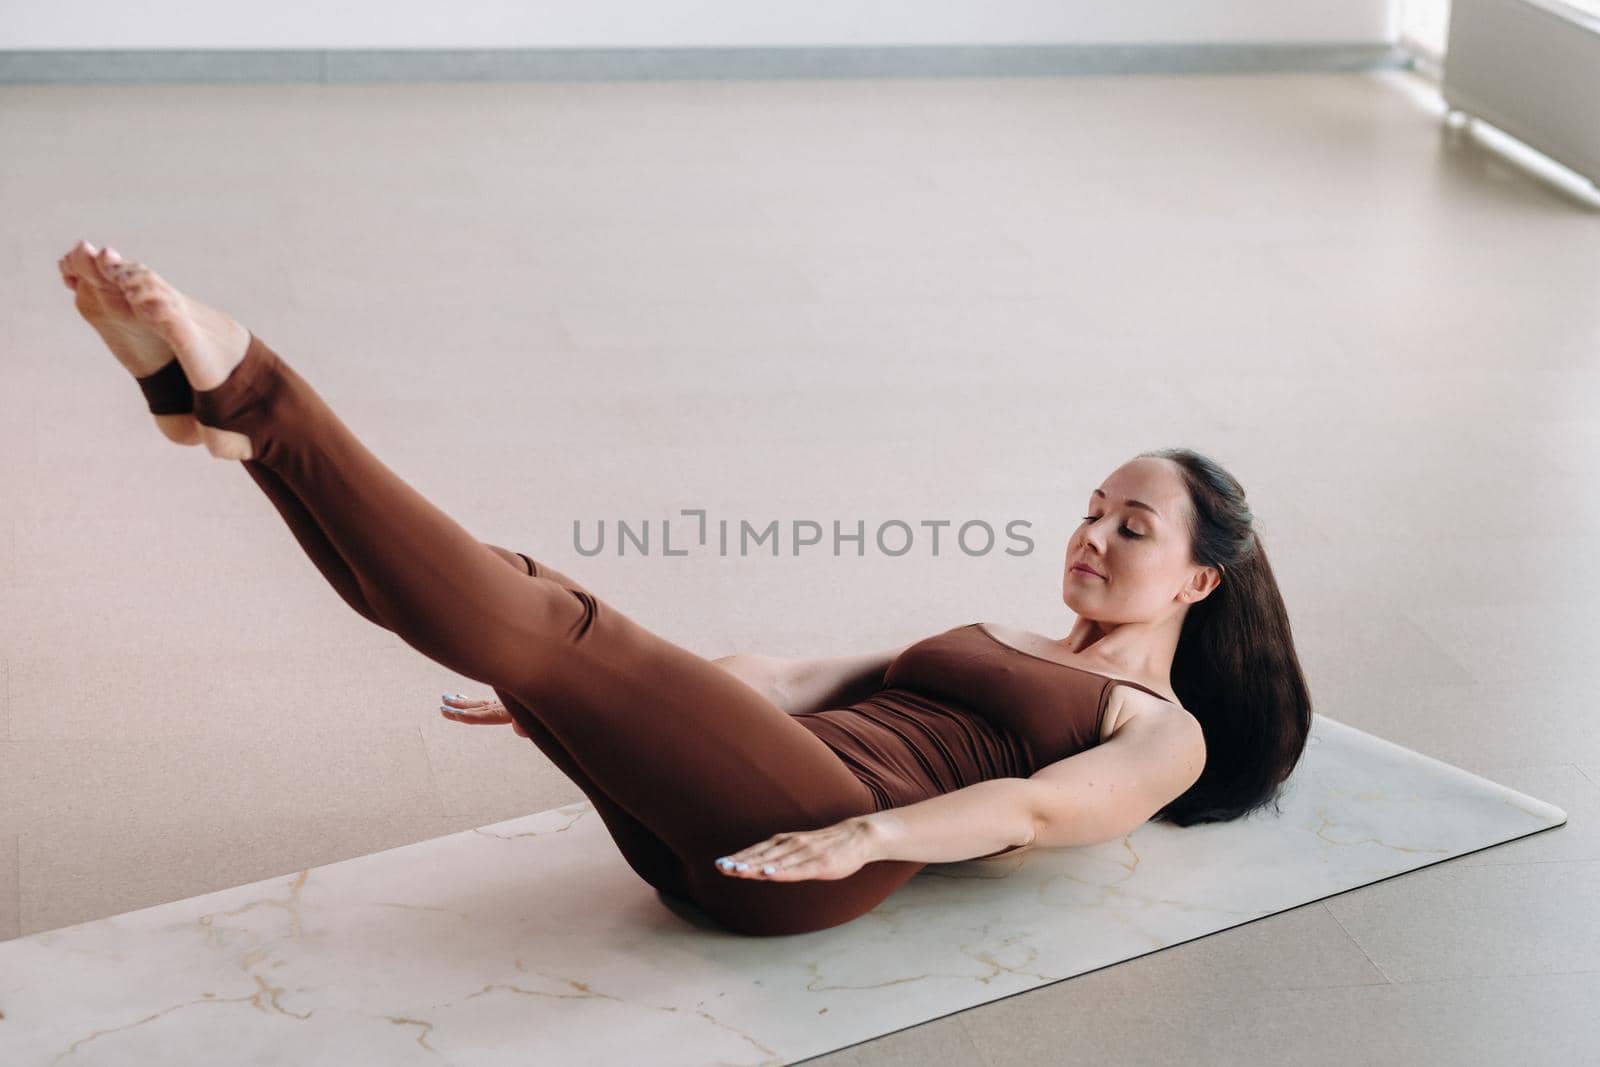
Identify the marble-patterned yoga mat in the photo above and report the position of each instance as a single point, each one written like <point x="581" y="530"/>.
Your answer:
<point x="532" y="941"/>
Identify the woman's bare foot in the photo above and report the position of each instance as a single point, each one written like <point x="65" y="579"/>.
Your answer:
<point x="137" y="347"/>
<point x="207" y="342"/>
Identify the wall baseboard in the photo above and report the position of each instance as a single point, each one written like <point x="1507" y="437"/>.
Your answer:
<point x="659" y="64"/>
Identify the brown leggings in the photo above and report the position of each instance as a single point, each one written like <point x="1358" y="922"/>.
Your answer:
<point x="682" y="761"/>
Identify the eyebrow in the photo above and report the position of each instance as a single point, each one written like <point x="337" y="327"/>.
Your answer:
<point x="1135" y="504"/>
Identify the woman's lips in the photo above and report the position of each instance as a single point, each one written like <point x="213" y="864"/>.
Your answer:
<point x="1081" y="569"/>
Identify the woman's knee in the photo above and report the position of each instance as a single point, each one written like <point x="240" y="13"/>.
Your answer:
<point x="536" y="640"/>
<point x="515" y="559"/>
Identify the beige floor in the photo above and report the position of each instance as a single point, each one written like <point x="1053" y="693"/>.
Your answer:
<point x="948" y="298"/>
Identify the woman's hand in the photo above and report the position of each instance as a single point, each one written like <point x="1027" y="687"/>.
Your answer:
<point x="478" y="712"/>
<point x="833" y="852"/>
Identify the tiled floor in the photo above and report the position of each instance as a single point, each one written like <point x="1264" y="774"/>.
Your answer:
<point x="847" y="300"/>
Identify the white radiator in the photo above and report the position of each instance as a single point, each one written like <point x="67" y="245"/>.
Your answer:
<point x="1531" y="68"/>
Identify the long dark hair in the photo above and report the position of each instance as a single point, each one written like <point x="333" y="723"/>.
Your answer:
<point x="1235" y="668"/>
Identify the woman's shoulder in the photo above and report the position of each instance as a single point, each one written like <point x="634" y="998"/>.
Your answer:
<point x="1129" y="704"/>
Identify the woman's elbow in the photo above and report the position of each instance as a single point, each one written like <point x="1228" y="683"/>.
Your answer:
<point x="762" y="673"/>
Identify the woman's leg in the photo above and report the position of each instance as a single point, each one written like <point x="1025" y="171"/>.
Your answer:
<point x="312" y="540"/>
<point x="650" y="857"/>
<point x="691" y="752"/>
<point x="303" y="525"/>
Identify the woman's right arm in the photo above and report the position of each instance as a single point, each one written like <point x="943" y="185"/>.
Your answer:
<point x="800" y="685"/>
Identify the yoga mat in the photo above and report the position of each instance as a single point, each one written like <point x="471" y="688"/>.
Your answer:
<point x="531" y="941"/>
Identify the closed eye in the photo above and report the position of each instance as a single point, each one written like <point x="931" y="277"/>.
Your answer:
<point x="1122" y="529"/>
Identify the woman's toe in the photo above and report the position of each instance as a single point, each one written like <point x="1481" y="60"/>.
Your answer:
<point x="108" y="262"/>
<point x="81" y="262"/>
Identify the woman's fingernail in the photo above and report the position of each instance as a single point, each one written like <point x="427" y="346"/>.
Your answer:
<point x="741" y="866"/>
<point x="724" y="862"/>
<point x="769" y="869"/>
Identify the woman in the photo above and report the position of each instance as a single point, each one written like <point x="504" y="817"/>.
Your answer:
<point x="781" y="797"/>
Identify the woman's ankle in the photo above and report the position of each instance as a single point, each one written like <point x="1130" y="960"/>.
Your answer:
<point x="179" y="429"/>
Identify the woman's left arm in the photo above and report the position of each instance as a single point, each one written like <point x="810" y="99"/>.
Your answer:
<point x="979" y="821"/>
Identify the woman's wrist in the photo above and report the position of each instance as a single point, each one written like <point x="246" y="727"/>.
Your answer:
<point x="974" y="822"/>
<point x="879" y="829"/>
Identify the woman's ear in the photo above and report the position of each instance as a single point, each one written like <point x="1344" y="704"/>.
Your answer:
<point x="1202" y="583"/>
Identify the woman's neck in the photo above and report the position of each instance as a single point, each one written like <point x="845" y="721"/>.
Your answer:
<point x="1133" y="650"/>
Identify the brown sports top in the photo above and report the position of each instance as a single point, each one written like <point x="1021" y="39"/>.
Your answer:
<point x="963" y="707"/>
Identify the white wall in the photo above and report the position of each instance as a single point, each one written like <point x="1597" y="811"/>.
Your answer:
<point x="319" y="24"/>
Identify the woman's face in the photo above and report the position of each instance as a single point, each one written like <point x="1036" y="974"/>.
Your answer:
<point x="1136" y="538"/>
